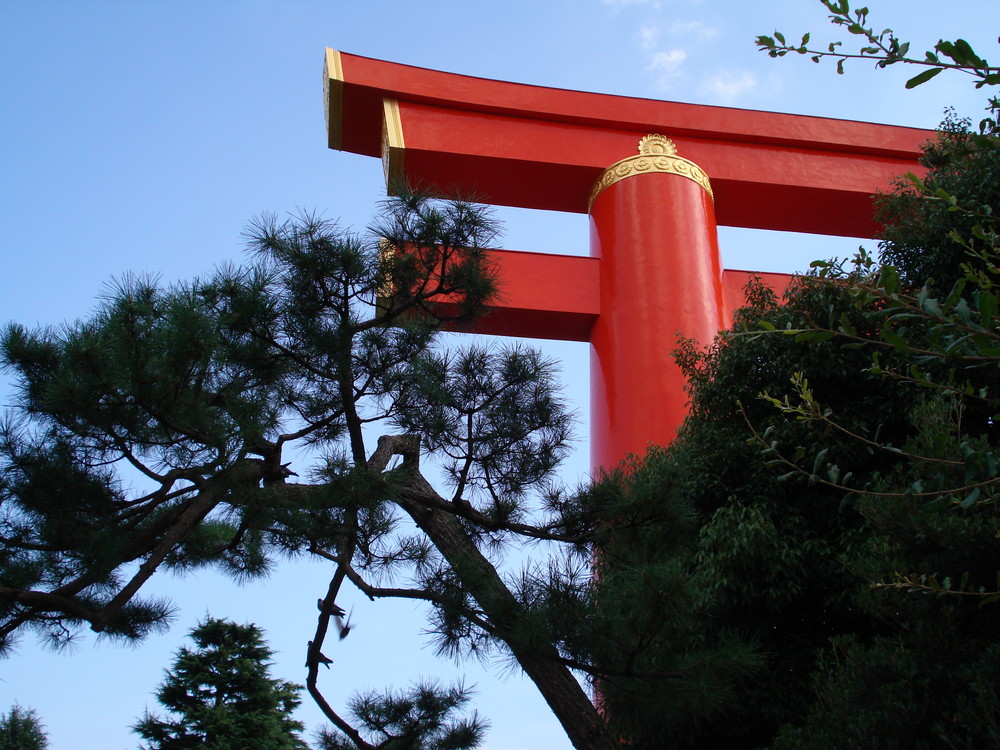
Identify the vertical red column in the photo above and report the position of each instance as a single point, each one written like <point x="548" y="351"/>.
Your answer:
<point x="652" y="224"/>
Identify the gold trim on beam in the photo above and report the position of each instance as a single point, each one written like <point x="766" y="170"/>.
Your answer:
<point x="657" y="153"/>
<point x="333" y="98"/>
<point x="392" y="143"/>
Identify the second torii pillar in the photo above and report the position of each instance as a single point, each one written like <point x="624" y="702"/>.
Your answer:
<point x="652" y="223"/>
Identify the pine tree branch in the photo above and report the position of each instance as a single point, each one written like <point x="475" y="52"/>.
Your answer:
<point x="375" y="592"/>
<point x="194" y="513"/>
<point x="345" y="554"/>
<point x="313" y="658"/>
<point x="537" y="657"/>
<point x="47" y="602"/>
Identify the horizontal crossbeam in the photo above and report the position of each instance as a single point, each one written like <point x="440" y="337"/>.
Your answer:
<point x="537" y="147"/>
<point x="548" y="296"/>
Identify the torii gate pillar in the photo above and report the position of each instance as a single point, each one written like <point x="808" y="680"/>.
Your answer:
<point x="652" y="224"/>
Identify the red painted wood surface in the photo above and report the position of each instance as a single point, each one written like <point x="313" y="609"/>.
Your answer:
<point x="660" y="275"/>
<point x="655" y="269"/>
<point x="548" y="296"/>
<point x="541" y="295"/>
<point x="539" y="147"/>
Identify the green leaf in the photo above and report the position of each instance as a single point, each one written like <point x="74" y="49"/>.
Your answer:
<point x="937" y="505"/>
<point x="922" y="77"/>
<point x="987" y="307"/>
<point x="891" y="337"/>
<point x="970" y="499"/>
<point x="933" y="307"/>
<point x="962" y="53"/>
<point x="833" y="472"/>
<point x="917" y="182"/>
<point x="846" y="327"/>
<point x="889" y="279"/>
<point x="819" y="460"/>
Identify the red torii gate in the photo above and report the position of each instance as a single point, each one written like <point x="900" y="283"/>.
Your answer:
<point x="654" y="266"/>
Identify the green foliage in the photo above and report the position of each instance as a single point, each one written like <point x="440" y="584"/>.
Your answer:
<point x="195" y="390"/>
<point x="661" y="671"/>
<point x="945" y="220"/>
<point x="220" y="695"/>
<point x="421" y="719"/>
<point x="769" y="542"/>
<point x="884" y="48"/>
<point x="499" y="436"/>
<point x="21" y="729"/>
<point x="856" y="470"/>
<point x="155" y="435"/>
<point x="854" y="537"/>
<point x="906" y="654"/>
<point x="887" y="693"/>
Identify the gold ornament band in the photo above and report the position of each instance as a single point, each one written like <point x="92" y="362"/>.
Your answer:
<point x="657" y="153"/>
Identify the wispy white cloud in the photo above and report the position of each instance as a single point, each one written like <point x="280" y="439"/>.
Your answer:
<point x="667" y="65"/>
<point x="667" y="62"/>
<point x="693" y="30"/>
<point x="649" y="37"/>
<point x="668" y="42"/>
<point x="729" y="85"/>
<point x="669" y="45"/>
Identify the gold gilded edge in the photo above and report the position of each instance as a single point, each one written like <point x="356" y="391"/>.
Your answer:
<point x="392" y="143"/>
<point x="644" y="164"/>
<point x="333" y="98"/>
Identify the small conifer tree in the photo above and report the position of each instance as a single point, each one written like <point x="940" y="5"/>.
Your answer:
<point x="21" y="729"/>
<point x="220" y="695"/>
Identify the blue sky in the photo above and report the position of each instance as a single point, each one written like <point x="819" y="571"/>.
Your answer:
<point x="143" y="136"/>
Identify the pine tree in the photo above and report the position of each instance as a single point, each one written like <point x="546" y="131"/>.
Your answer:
<point x="21" y="729"/>
<point x="220" y="695"/>
<point x="205" y="389"/>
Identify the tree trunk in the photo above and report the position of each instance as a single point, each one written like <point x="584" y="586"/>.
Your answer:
<point x="567" y="699"/>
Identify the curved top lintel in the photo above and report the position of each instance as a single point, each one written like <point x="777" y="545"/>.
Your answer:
<point x="357" y="85"/>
